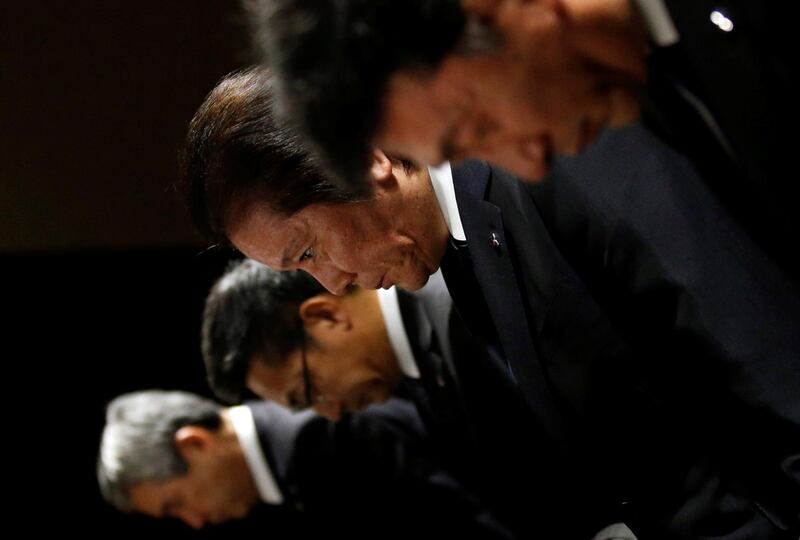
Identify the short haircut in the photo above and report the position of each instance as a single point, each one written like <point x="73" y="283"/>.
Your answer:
<point x="138" y="441"/>
<point x="252" y="309"/>
<point x="235" y="146"/>
<point x="333" y="59"/>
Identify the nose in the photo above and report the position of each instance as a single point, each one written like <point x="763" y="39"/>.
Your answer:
<point x="333" y="279"/>
<point x="192" y="518"/>
<point x="332" y="410"/>
<point x="532" y="159"/>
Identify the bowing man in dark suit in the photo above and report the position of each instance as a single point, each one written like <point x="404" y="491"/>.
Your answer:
<point x="177" y="455"/>
<point x="605" y="323"/>
<point x="626" y="312"/>
<point x="516" y="82"/>
<point x="289" y="340"/>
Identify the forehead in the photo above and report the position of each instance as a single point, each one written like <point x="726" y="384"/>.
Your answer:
<point x="278" y="241"/>
<point x="267" y="236"/>
<point x="414" y="117"/>
<point x="150" y="497"/>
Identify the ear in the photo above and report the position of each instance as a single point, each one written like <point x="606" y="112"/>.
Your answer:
<point x="324" y="311"/>
<point x="381" y="169"/>
<point x="192" y="439"/>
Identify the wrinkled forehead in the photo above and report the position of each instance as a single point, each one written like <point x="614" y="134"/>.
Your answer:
<point x="267" y="236"/>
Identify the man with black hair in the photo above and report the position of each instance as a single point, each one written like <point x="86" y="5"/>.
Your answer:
<point x="516" y="82"/>
<point x="619" y="298"/>
<point x="178" y="455"/>
<point x="286" y="338"/>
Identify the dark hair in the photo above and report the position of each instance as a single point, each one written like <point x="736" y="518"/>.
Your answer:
<point x="333" y="58"/>
<point x="138" y="441"/>
<point x="235" y="146"/>
<point x="252" y="309"/>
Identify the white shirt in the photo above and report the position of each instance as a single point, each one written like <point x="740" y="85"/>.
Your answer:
<point x="442" y="180"/>
<point x="397" y="332"/>
<point x="658" y="22"/>
<point x="245" y="427"/>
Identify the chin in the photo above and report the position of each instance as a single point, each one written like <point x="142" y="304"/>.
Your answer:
<point x="415" y="282"/>
<point x="626" y="107"/>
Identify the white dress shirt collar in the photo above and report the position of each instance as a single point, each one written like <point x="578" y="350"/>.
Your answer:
<point x="245" y="427"/>
<point x="658" y="22"/>
<point x="442" y="180"/>
<point x="398" y="337"/>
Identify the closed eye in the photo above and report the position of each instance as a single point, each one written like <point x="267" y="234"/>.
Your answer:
<point x="307" y="255"/>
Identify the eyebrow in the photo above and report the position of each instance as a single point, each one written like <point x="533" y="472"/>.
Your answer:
<point x="288" y="255"/>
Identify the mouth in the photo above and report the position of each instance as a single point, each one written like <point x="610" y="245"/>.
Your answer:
<point x="589" y="132"/>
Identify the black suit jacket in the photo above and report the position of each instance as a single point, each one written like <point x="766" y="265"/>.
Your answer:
<point x="653" y="341"/>
<point x="481" y="428"/>
<point x="369" y="475"/>
<point x="744" y="80"/>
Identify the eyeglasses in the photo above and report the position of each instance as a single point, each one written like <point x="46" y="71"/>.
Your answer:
<point x="308" y="395"/>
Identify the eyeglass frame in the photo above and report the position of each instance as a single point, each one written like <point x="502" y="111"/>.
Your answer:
<point x="309" y="399"/>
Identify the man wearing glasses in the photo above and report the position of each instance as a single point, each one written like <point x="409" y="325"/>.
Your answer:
<point x="286" y="338"/>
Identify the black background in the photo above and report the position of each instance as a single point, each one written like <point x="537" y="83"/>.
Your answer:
<point x="102" y="278"/>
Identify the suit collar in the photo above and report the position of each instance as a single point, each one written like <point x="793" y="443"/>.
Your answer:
<point x="420" y="336"/>
<point x="278" y="430"/>
<point x="495" y="273"/>
<point x="473" y="180"/>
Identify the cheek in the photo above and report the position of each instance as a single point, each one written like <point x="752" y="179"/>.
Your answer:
<point x="376" y="253"/>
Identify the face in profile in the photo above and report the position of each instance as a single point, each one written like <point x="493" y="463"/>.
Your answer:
<point x="217" y="486"/>
<point x="566" y="71"/>
<point x="396" y="238"/>
<point x="345" y="365"/>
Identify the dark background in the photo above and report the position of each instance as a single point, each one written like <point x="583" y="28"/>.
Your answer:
<point x="102" y="278"/>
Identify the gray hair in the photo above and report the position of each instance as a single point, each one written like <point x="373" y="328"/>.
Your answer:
<point x="138" y="442"/>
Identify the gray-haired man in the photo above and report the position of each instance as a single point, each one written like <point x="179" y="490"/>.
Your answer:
<point x="176" y="454"/>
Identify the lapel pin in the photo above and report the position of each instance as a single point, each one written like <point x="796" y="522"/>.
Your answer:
<point x="495" y="241"/>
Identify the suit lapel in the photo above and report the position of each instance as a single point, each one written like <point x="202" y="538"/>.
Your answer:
<point x="494" y="271"/>
<point x="278" y="430"/>
<point x="440" y="388"/>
